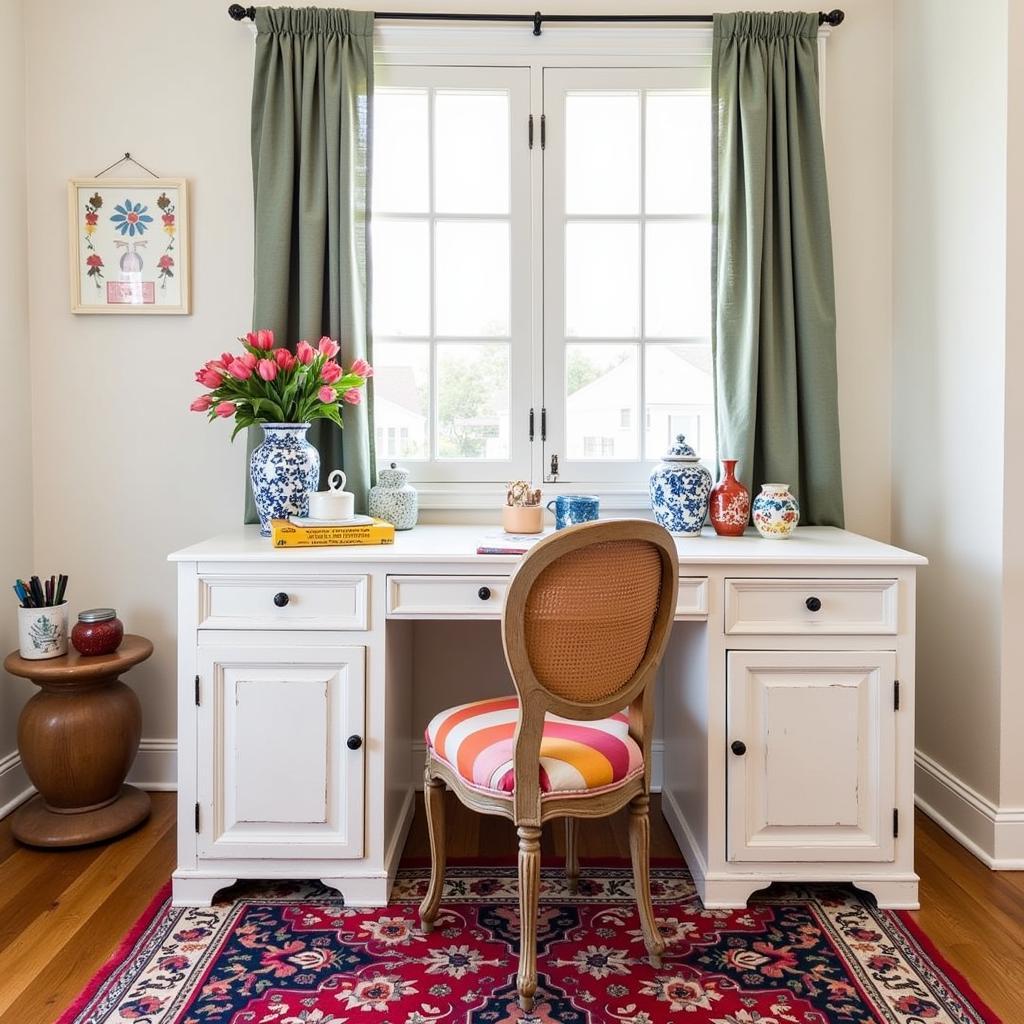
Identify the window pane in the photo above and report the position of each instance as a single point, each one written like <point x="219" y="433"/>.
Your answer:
<point x="401" y="390"/>
<point x="602" y="280"/>
<point x="401" y="278"/>
<point x="678" y="153"/>
<point x="680" y="398"/>
<point x="400" y="151"/>
<point x="472" y="278"/>
<point x="473" y="384"/>
<point x="471" y="158"/>
<point x="601" y="386"/>
<point x="677" y="279"/>
<point x="602" y="152"/>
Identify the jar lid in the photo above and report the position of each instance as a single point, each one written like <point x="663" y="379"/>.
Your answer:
<point x="680" y="451"/>
<point x="97" y="615"/>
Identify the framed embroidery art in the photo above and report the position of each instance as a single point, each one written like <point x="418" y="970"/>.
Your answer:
<point x="129" y="245"/>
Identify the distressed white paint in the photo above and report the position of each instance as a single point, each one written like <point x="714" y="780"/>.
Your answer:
<point x="780" y="606"/>
<point x="808" y="707"/>
<point x="817" y="781"/>
<point x="275" y="777"/>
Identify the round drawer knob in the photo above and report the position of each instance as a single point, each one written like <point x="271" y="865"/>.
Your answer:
<point x="354" y="742"/>
<point x="813" y="604"/>
<point x="281" y="599"/>
<point x="738" y="747"/>
<point x="484" y="593"/>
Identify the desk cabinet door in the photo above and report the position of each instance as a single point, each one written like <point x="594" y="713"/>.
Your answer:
<point x="277" y="777"/>
<point x="816" y="780"/>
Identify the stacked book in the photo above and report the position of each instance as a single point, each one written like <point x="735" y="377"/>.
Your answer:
<point x="287" y="534"/>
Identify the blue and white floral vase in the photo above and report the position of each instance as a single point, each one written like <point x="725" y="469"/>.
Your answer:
<point x="680" y="489"/>
<point x="283" y="470"/>
<point x="776" y="511"/>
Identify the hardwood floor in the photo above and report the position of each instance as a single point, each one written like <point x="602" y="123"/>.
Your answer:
<point x="63" y="912"/>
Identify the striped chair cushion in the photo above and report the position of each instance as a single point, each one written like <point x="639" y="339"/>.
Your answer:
<point x="476" y="741"/>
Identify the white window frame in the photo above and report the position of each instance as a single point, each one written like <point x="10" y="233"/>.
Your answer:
<point x="445" y="473"/>
<point x="513" y="45"/>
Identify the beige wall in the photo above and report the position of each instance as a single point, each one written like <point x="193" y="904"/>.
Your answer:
<point x="955" y="440"/>
<point x="16" y="452"/>
<point x="1011" y="789"/>
<point x="141" y="476"/>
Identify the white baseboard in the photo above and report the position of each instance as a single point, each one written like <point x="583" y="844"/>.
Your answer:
<point x="15" y="788"/>
<point x="156" y="765"/>
<point x="155" y="769"/>
<point x="419" y="752"/>
<point x="995" y="835"/>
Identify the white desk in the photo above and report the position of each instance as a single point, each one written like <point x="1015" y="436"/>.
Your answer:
<point x="788" y="722"/>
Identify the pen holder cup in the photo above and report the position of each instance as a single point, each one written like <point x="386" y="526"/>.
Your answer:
<point x="522" y="518"/>
<point x="43" y="632"/>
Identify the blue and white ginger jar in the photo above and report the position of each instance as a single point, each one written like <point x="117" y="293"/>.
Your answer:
<point x="283" y="470"/>
<point x="680" y="490"/>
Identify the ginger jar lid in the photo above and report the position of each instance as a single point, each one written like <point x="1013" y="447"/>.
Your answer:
<point x="680" y="451"/>
<point x="394" y="476"/>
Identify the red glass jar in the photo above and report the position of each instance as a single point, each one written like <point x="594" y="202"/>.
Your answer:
<point x="98" y="631"/>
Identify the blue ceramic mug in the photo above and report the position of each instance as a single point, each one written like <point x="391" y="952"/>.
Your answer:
<point x="572" y="509"/>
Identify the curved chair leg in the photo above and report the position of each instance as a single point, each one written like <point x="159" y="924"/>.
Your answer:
<point x="572" y="855"/>
<point x="529" y="897"/>
<point x="433" y="794"/>
<point x="640" y="853"/>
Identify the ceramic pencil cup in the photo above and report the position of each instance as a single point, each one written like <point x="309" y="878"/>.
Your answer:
<point x="43" y="632"/>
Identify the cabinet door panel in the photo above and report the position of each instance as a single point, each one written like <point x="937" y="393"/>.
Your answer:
<point x="280" y="733"/>
<point x="817" y="780"/>
<point x="276" y="777"/>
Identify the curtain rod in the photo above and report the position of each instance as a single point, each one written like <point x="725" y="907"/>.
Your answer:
<point x="833" y="18"/>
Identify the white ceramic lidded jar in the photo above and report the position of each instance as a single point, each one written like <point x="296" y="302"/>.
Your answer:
<point x="394" y="499"/>
<point x="680" y="489"/>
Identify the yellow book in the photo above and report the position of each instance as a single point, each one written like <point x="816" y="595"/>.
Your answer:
<point x="285" y="534"/>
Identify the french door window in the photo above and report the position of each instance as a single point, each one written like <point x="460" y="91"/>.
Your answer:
<point x="541" y="271"/>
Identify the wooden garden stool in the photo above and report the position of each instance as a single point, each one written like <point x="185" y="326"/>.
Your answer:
<point x="78" y="737"/>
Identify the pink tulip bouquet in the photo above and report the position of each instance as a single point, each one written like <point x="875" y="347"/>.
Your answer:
<point x="264" y="384"/>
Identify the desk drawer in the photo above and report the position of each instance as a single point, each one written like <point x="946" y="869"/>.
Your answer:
<point x="282" y="602"/>
<point x="806" y="606"/>
<point x="446" y="597"/>
<point x="692" y="599"/>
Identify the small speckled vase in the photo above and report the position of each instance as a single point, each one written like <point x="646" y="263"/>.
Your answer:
<point x="394" y="499"/>
<point x="776" y="512"/>
<point x="283" y="470"/>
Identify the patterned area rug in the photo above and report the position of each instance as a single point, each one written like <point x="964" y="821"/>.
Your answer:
<point x="293" y="954"/>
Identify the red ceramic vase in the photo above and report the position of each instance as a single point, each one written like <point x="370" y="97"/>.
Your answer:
<point x="730" y="503"/>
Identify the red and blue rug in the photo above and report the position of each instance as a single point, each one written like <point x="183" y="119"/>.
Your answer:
<point x="294" y="954"/>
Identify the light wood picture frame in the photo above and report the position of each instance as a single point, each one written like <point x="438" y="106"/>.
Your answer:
<point x="129" y="245"/>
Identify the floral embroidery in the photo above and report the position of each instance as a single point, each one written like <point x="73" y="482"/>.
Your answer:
<point x="165" y="269"/>
<point x="130" y="218"/>
<point x="92" y="207"/>
<point x="94" y="261"/>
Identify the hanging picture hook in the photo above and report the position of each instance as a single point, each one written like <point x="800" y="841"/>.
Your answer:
<point x="127" y="156"/>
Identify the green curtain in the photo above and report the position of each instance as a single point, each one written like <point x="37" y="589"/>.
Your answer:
<point x="311" y="131"/>
<point x="773" y="331"/>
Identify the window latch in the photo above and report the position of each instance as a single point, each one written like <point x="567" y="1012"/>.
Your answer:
<point x="553" y="475"/>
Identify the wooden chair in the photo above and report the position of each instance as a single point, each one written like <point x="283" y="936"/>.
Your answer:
<point x="585" y="624"/>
